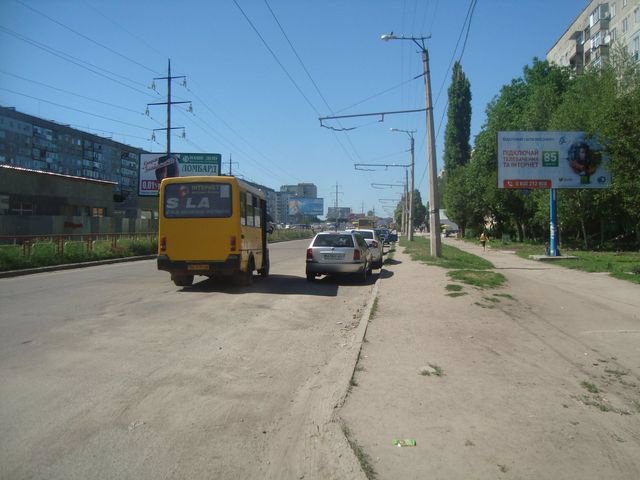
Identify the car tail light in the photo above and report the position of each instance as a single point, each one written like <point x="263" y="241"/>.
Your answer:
<point x="163" y="244"/>
<point x="232" y="243"/>
<point x="356" y="254"/>
<point x="309" y="254"/>
<point x="374" y="244"/>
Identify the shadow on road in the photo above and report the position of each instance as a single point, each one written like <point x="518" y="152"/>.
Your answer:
<point x="326" y="286"/>
<point x="274" y="284"/>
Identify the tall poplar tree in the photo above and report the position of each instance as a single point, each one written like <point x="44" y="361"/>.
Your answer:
<point x="456" y="136"/>
<point x="457" y="150"/>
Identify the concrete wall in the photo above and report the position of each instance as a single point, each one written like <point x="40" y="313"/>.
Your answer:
<point x="47" y="225"/>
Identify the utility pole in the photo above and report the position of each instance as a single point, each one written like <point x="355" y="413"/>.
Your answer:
<point x="434" y="213"/>
<point x="168" y="103"/>
<point x="410" y="200"/>
<point x="230" y="163"/>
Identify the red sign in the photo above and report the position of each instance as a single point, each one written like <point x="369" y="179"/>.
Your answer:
<point x="527" y="184"/>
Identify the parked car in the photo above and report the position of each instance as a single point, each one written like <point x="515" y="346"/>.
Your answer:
<point x="375" y="245"/>
<point x="338" y="253"/>
<point x="383" y="233"/>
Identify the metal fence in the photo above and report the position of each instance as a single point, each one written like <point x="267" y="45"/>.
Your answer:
<point x="60" y="241"/>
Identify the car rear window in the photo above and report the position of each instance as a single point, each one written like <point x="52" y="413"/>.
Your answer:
<point x="333" y="241"/>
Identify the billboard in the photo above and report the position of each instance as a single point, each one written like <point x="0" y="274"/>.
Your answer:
<point x="306" y="206"/>
<point x="156" y="166"/>
<point x="338" y="212"/>
<point x="528" y="160"/>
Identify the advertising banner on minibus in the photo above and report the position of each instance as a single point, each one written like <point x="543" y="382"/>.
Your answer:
<point x="528" y="160"/>
<point x="156" y="166"/>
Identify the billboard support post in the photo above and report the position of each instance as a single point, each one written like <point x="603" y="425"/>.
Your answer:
<point x="553" y="224"/>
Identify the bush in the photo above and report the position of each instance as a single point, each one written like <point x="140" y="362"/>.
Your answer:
<point x="46" y="253"/>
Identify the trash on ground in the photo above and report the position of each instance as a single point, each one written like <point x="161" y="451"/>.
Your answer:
<point x="407" y="442"/>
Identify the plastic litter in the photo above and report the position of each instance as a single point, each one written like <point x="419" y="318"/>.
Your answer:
<point x="407" y="442"/>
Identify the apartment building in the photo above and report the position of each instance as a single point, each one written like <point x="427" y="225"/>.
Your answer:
<point x="601" y="26"/>
<point x="33" y="143"/>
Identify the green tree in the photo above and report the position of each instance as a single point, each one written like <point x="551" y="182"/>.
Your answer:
<point x="458" y="130"/>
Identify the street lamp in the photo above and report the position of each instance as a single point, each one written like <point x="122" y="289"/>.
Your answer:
<point x="434" y="213"/>
<point x="410" y="222"/>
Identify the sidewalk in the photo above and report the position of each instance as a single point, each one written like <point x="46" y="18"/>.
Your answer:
<point x="510" y="401"/>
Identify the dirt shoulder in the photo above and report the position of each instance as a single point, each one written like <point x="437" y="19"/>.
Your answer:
<point x="539" y="379"/>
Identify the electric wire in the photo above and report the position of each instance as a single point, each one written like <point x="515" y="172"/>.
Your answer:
<point x="315" y="85"/>
<point x="73" y="109"/>
<point x="140" y="39"/>
<point x="264" y="42"/>
<point x="70" y="93"/>
<point x="76" y="61"/>
<point x="226" y="141"/>
<point x="84" y="36"/>
<point x="237" y="134"/>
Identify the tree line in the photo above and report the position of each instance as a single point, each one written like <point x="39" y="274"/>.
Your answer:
<point x="603" y="102"/>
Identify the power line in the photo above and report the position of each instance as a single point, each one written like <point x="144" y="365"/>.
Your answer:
<point x="70" y="93"/>
<point x="304" y="67"/>
<point x="74" y="60"/>
<point x="140" y="39"/>
<point x="74" y="109"/>
<point x="84" y="36"/>
<point x="264" y="42"/>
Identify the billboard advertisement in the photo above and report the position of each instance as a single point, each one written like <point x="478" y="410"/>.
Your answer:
<point x="528" y="160"/>
<point x="338" y="212"/>
<point x="156" y="166"/>
<point x="306" y="206"/>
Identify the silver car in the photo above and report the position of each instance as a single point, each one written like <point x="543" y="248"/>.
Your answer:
<point x="375" y="245"/>
<point x="337" y="253"/>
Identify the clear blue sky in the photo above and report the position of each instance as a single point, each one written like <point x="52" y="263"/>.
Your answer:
<point x="244" y="103"/>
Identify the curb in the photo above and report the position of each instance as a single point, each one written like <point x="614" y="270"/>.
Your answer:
<point x="70" y="266"/>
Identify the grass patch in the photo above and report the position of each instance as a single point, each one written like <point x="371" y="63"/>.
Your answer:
<point x="590" y="387"/>
<point x="374" y="309"/>
<point x="503" y="295"/>
<point x="362" y="456"/>
<point x="456" y="294"/>
<point x="452" y="257"/>
<point x="452" y="287"/>
<point x="433" y="369"/>
<point x="621" y="265"/>
<point x="613" y="371"/>
<point x="282" y="235"/>
<point x="491" y="299"/>
<point x="45" y="253"/>
<point x="478" y="278"/>
<point x="490" y="306"/>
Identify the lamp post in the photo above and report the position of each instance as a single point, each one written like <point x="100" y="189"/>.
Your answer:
<point x="410" y="222"/>
<point x="434" y="212"/>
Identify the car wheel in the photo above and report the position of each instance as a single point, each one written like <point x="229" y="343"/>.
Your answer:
<point x="365" y="274"/>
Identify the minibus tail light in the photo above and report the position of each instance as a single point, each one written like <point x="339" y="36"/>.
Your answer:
<point x="232" y="243"/>
<point x="163" y="244"/>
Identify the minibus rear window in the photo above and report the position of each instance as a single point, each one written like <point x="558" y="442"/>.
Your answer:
<point x="197" y="200"/>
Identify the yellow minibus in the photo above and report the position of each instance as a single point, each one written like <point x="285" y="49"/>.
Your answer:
<point x="214" y="226"/>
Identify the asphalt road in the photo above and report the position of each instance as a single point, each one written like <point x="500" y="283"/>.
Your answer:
<point x="113" y="372"/>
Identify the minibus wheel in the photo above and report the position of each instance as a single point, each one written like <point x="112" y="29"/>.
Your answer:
<point x="182" y="280"/>
<point x="264" y="271"/>
<point x="245" y="279"/>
